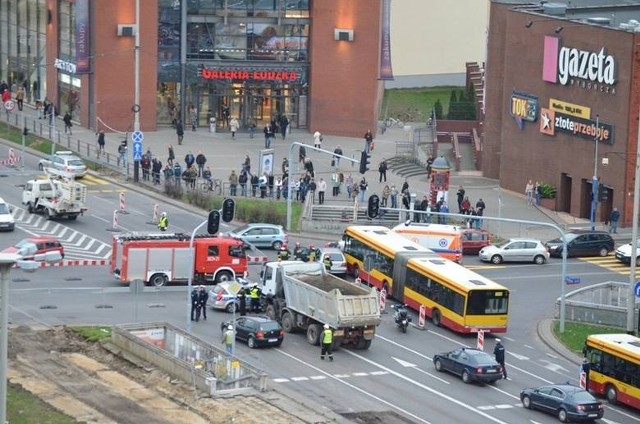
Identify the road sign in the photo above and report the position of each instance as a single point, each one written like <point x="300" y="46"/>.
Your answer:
<point x="9" y="105"/>
<point x="637" y="289"/>
<point x="137" y="138"/>
<point x="572" y="280"/>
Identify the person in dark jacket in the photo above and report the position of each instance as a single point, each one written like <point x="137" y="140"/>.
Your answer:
<point x="172" y="155"/>
<point x="194" y="303"/>
<point x="201" y="159"/>
<point x="179" y="131"/>
<point x="203" y="297"/>
<point x="498" y="352"/>
<point x="67" y="122"/>
<point x="242" y="302"/>
<point x="189" y="159"/>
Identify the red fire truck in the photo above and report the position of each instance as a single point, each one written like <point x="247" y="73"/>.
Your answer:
<point x="158" y="259"/>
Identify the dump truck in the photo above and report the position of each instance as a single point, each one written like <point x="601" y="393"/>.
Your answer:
<point x="302" y="296"/>
<point x="55" y="195"/>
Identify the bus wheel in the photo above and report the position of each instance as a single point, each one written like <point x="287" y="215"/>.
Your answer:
<point x="356" y="272"/>
<point x="435" y="317"/>
<point x="612" y="394"/>
<point x="385" y="287"/>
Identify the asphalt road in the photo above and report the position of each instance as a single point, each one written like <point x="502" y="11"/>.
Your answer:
<point x="396" y="373"/>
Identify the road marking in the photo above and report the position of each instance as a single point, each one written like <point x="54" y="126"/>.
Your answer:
<point x="517" y="356"/>
<point x="280" y="380"/>
<point x="529" y="347"/>
<point x="318" y="377"/>
<point x="504" y="392"/>
<point x="621" y="412"/>
<point x="415" y="367"/>
<point x="364" y="392"/>
<point x="499" y="406"/>
<point x="342" y="375"/>
<point x="553" y="366"/>
<point x="91" y="180"/>
<point x="299" y="378"/>
<point x="360" y="374"/>
<point x="378" y="373"/>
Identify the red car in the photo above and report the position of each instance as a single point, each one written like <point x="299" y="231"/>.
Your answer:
<point x="35" y="246"/>
<point x="473" y="240"/>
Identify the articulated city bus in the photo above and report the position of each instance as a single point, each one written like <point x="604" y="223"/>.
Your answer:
<point x="453" y="296"/>
<point x="614" y="367"/>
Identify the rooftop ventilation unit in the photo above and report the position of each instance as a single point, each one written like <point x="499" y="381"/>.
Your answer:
<point x="599" y="20"/>
<point x="555" y="9"/>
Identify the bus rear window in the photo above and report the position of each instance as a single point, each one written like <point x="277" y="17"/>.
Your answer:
<point x="487" y="302"/>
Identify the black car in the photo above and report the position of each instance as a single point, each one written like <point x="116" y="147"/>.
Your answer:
<point x="470" y="364"/>
<point x="256" y="331"/>
<point x="583" y="243"/>
<point x="567" y="402"/>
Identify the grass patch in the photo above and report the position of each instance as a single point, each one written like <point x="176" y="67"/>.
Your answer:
<point x="576" y="333"/>
<point x="415" y="103"/>
<point x="25" y="408"/>
<point x="92" y="334"/>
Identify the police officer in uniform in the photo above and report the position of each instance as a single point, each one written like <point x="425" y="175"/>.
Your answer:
<point x="498" y="352"/>
<point x="203" y="297"/>
<point x="194" y="303"/>
<point x="242" y="301"/>
<point x="164" y="222"/>
<point x="254" y="295"/>
<point x="326" y="341"/>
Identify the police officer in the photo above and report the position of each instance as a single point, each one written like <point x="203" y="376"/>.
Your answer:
<point x="326" y="340"/>
<point x="328" y="263"/>
<point x="254" y="295"/>
<point x="194" y="303"/>
<point x="163" y="223"/>
<point x="242" y="301"/>
<point x="498" y="352"/>
<point x="203" y="297"/>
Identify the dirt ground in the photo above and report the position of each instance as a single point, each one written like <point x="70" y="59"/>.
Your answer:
<point x="87" y="382"/>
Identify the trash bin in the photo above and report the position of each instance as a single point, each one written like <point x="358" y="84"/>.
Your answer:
<point x="212" y="124"/>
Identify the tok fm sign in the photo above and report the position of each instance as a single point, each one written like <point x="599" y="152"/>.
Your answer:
<point x="552" y="122"/>
<point x="524" y="107"/>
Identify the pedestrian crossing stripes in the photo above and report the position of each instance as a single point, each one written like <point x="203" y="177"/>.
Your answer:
<point x="93" y="180"/>
<point x="323" y="377"/>
<point x="610" y="263"/>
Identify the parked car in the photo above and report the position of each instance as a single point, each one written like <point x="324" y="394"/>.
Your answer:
<point x="473" y="240"/>
<point x="623" y="253"/>
<point x="65" y="161"/>
<point x="583" y="243"/>
<point x="567" y="402"/>
<point x="256" y="331"/>
<point x="223" y="298"/>
<point x="470" y="364"/>
<point x="32" y="246"/>
<point x="515" y="250"/>
<point x="6" y="218"/>
<point x="262" y="235"/>
<point x="338" y="261"/>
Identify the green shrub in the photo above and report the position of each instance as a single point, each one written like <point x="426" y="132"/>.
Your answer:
<point x="547" y="191"/>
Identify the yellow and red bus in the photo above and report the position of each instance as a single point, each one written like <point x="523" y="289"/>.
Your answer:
<point x="614" y="361"/>
<point x="453" y="296"/>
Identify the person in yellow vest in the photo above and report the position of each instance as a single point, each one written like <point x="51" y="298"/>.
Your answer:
<point x="163" y="223"/>
<point x="227" y="338"/>
<point x="326" y="341"/>
<point x="328" y="263"/>
<point x="254" y="295"/>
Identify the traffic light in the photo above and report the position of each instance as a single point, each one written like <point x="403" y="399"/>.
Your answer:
<point x="228" y="209"/>
<point x="365" y="159"/>
<point x="213" y="222"/>
<point x="374" y="206"/>
<point x="603" y="193"/>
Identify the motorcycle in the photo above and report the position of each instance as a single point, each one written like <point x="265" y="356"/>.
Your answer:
<point x="401" y="317"/>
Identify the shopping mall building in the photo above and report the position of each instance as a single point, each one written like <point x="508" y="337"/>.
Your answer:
<point x="560" y="76"/>
<point x="322" y="64"/>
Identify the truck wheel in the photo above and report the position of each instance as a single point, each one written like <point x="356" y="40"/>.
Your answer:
<point x="29" y="207"/>
<point x="287" y="322"/>
<point x="270" y="312"/>
<point x="223" y="276"/>
<point x="73" y="217"/>
<point x="313" y="334"/>
<point x="158" y="280"/>
<point x="363" y="344"/>
<point x="47" y="214"/>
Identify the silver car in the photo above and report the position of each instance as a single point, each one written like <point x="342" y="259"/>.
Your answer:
<point x="338" y="261"/>
<point x="65" y="161"/>
<point x="262" y="235"/>
<point x="516" y="250"/>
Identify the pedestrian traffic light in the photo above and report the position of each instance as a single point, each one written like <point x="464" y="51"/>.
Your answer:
<point x="213" y="222"/>
<point x="603" y="193"/>
<point x="374" y="206"/>
<point x="228" y="209"/>
<point x="365" y="159"/>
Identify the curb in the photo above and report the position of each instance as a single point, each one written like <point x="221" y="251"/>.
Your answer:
<point x="545" y="332"/>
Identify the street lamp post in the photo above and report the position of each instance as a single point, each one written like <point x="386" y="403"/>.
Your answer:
<point x="191" y="272"/>
<point x="631" y="296"/>
<point x="594" y="182"/>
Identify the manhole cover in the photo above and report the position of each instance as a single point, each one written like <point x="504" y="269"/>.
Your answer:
<point x="73" y="279"/>
<point x="48" y="307"/>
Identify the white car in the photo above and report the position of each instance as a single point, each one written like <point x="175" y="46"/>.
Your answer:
<point x="623" y="253"/>
<point x="6" y="218"/>
<point x="65" y="161"/>
<point x="338" y="261"/>
<point x="516" y="250"/>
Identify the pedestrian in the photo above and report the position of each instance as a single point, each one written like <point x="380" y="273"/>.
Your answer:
<point x="368" y="141"/>
<point x="203" y="297"/>
<point x="302" y="155"/>
<point x="394" y="196"/>
<point x="269" y="134"/>
<point x="613" y="220"/>
<point x="528" y="190"/>
<point x="233" y="183"/>
<point x="254" y="295"/>
<point x="585" y="367"/>
<point x="337" y="152"/>
<point x="322" y="188"/>
<point x="312" y="187"/>
<point x="122" y="154"/>
<point x="362" y="189"/>
<point x="193" y="117"/>
<point x="189" y="160"/>
<point x="537" y="189"/>
<point x="145" y="164"/>
<point x="284" y="126"/>
<point x="317" y="139"/>
<point x="386" y="191"/>
<point x="382" y="170"/>
<point x="405" y="186"/>
<point x="177" y="173"/>
<point x="242" y="180"/>
<point x="466" y="205"/>
<point x="227" y="339"/>
<point x="262" y="185"/>
<point x="156" y="168"/>
<point x="349" y="184"/>
<point x="163" y="223"/>
<point x="242" y="302"/>
<point x="285" y="166"/>
<point x="326" y="338"/>
<point x="194" y="303"/>
<point x="67" y="122"/>
<point x="278" y="186"/>
<point x="444" y="209"/>
<point x="201" y="160"/>
<point x="254" y="184"/>
<point x="480" y="206"/>
<point x="172" y="155"/>
<point x="498" y="352"/>
<point x="179" y="131"/>
<point x="460" y="198"/>
<point x="20" y="98"/>
<point x="101" y="143"/>
<point x="234" y="125"/>
<point x="335" y="184"/>
<point x="246" y="165"/>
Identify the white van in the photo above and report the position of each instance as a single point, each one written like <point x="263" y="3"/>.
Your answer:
<point x="6" y="219"/>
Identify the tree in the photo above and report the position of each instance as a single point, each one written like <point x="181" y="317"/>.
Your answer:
<point x="453" y="106"/>
<point x="438" y="110"/>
